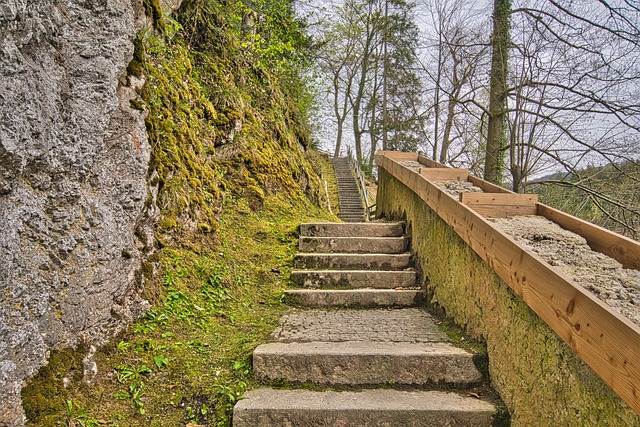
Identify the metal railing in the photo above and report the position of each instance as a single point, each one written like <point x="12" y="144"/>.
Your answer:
<point x="369" y="209"/>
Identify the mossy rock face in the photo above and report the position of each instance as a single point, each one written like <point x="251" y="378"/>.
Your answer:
<point x="539" y="378"/>
<point x="235" y="178"/>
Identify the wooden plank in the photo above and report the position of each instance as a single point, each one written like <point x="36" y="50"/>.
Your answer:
<point x="504" y="211"/>
<point x="399" y="155"/>
<point x="620" y="248"/>
<point x="499" y="198"/>
<point x="605" y="340"/>
<point x="488" y="187"/>
<point x="430" y="163"/>
<point x="445" y="174"/>
<point x="501" y="205"/>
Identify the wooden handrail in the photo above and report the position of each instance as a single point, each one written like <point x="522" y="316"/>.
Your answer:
<point x="607" y="341"/>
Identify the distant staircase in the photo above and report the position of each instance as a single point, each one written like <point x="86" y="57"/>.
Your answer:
<point x="350" y="201"/>
<point x="386" y="365"/>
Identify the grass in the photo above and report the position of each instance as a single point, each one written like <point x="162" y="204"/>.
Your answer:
<point x="188" y="360"/>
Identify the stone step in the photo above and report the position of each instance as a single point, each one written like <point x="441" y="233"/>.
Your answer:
<point x="365" y="363"/>
<point x="377" y="245"/>
<point x="355" y="297"/>
<point x="335" y="261"/>
<point x="352" y="212"/>
<point x="362" y="347"/>
<point x="365" y="229"/>
<point x="354" y="278"/>
<point x="368" y="408"/>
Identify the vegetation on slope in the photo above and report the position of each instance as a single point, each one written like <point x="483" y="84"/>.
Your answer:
<point x="607" y="195"/>
<point x="226" y="119"/>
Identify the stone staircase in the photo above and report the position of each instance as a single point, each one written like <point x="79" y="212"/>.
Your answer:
<point x="350" y="202"/>
<point x="386" y="365"/>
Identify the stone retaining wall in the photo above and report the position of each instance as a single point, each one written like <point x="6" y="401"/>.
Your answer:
<point x="540" y="379"/>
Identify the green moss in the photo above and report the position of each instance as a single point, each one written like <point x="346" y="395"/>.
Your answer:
<point x="136" y="104"/>
<point x="136" y="66"/>
<point x="45" y="395"/>
<point x="153" y="10"/>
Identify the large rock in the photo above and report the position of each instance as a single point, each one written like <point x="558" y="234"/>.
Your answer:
<point x="74" y="182"/>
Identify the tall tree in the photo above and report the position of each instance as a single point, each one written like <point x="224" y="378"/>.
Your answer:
<point x="500" y="45"/>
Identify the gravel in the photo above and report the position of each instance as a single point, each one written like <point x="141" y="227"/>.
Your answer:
<point x="600" y="274"/>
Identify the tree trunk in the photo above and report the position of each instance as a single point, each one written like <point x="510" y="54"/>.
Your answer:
<point x="336" y="153"/>
<point x="498" y="91"/>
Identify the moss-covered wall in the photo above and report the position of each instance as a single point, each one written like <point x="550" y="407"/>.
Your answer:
<point x="542" y="382"/>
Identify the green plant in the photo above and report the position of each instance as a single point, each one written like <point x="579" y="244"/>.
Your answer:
<point x="131" y="372"/>
<point x="161" y="361"/>
<point x="77" y="416"/>
<point x="134" y="394"/>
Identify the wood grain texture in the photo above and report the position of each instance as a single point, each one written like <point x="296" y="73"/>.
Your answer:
<point x="430" y="163"/>
<point x="488" y="187"/>
<point x="445" y="174"/>
<point x="501" y="205"/>
<point x="608" y="342"/>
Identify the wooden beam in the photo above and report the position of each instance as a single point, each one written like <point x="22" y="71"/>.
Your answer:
<point x="444" y="174"/>
<point x="488" y="187"/>
<point x="501" y="205"/>
<point x="608" y="342"/>
<point x="399" y="155"/>
<point x="620" y="248"/>
<point x="430" y="163"/>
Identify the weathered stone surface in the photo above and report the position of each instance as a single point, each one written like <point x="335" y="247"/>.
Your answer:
<point x="355" y="298"/>
<point x="74" y="192"/>
<point x="407" y="325"/>
<point x="352" y="261"/>
<point x="378" y="245"/>
<point x="365" y="363"/>
<point x="370" y="408"/>
<point x="354" y="278"/>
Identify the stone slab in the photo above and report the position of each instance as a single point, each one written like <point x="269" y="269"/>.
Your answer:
<point x="355" y="298"/>
<point x="377" y="245"/>
<point x="351" y="261"/>
<point x="370" y="408"/>
<point x="365" y="229"/>
<point x="365" y="363"/>
<point x="354" y="278"/>
<point x="413" y="325"/>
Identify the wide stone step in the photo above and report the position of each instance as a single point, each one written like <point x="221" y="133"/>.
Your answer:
<point x="354" y="278"/>
<point x="365" y="363"/>
<point x="355" y="298"/>
<point x="368" y="408"/>
<point x="378" y="245"/>
<point x="316" y="261"/>
<point x="365" y="229"/>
